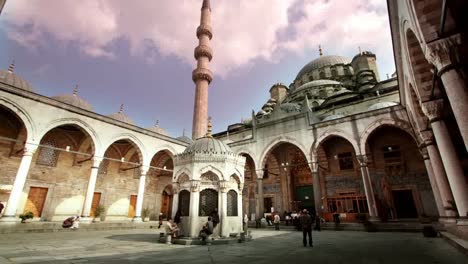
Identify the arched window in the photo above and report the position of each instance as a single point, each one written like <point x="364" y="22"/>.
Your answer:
<point x="322" y="75"/>
<point x="184" y="203"/>
<point x="208" y="202"/>
<point x="48" y="156"/>
<point x="334" y="72"/>
<point x="232" y="203"/>
<point x="346" y="71"/>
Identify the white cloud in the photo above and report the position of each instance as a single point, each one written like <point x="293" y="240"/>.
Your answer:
<point x="244" y="30"/>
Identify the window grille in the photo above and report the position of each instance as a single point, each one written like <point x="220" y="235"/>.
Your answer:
<point x="232" y="203"/>
<point x="184" y="203"/>
<point x="346" y="161"/>
<point x="208" y="202"/>
<point x="391" y="153"/>
<point x="47" y="155"/>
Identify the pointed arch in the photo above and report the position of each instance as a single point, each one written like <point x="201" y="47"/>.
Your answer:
<point x="277" y="141"/>
<point x="180" y="172"/>
<point x="212" y="169"/>
<point x="22" y="115"/>
<point x="333" y="133"/>
<point x="133" y="140"/>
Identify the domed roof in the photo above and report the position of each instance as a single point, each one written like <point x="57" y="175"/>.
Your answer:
<point x="317" y="83"/>
<point x="381" y="105"/>
<point x="208" y="145"/>
<point x="10" y="78"/>
<point x="120" y="116"/>
<point x="74" y="99"/>
<point x="321" y="62"/>
<point x="184" y="138"/>
<point x="157" y="129"/>
<point x="331" y="117"/>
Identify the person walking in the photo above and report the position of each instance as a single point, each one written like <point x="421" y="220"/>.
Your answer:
<point x="276" y="221"/>
<point x="306" y="223"/>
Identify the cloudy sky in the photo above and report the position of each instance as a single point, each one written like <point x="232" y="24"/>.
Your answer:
<point x="140" y="53"/>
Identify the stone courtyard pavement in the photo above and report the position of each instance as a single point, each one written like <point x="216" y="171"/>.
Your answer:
<point x="140" y="246"/>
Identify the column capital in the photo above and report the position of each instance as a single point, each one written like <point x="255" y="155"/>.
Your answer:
<point x="260" y="174"/>
<point x="224" y="186"/>
<point x="96" y="162"/>
<point x="314" y="165"/>
<point x="144" y="170"/>
<point x="363" y="160"/>
<point x="194" y="186"/>
<point x="427" y="137"/>
<point x="443" y="53"/>
<point x="424" y="153"/>
<point x="29" y="149"/>
<point x="433" y="109"/>
<point x="241" y="188"/>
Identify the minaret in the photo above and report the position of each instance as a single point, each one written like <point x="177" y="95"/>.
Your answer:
<point x="202" y="76"/>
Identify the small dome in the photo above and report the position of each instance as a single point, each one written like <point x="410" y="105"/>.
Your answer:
<point x="10" y="78"/>
<point x="120" y="116"/>
<point x="290" y="107"/>
<point x="321" y="62"/>
<point x="206" y="145"/>
<point x="74" y="99"/>
<point x="157" y="129"/>
<point x="185" y="139"/>
<point x="381" y="105"/>
<point x="331" y="117"/>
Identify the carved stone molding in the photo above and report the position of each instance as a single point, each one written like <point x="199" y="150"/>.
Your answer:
<point x="175" y="188"/>
<point x="202" y="74"/>
<point x="224" y="186"/>
<point x="203" y="51"/>
<point x="444" y="52"/>
<point x="195" y="186"/>
<point x="433" y="109"/>
<point x="314" y="166"/>
<point x="424" y="153"/>
<point x="204" y="30"/>
<point x="241" y="188"/>
<point x="427" y="137"/>
<point x="362" y="159"/>
<point x="29" y="149"/>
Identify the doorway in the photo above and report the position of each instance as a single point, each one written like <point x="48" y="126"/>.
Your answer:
<point x="131" y="209"/>
<point x="267" y="204"/>
<point x="36" y="201"/>
<point x="404" y="204"/>
<point x="166" y="205"/>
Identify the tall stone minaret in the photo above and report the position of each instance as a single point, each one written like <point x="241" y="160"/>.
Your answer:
<point x="202" y="76"/>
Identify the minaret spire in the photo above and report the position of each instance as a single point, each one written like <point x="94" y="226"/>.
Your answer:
<point x="320" y="50"/>
<point x="202" y="76"/>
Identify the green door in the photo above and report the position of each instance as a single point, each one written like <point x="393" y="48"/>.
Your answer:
<point x="305" y="194"/>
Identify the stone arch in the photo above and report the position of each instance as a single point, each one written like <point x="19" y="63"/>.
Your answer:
<point x="22" y="115"/>
<point x="169" y="149"/>
<point x="212" y="169"/>
<point x="235" y="172"/>
<point x="420" y="68"/>
<point x="242" y="152"/>
<point x="274" y="143"/>
<point x="168" y="189"/>
<point x="137" y="144"/>
<point x="179" y="173"/>
<point x="333" y="133"/>
<point x="417" y="115"/>
<point x="85" y="127"/>
<point x="405" y="126"/>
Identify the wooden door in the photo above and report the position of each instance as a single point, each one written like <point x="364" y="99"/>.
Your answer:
<point x="131" y="209"/>
<point x="165" y="204"/>
<point x="95" y="202"/>
<point x="36" y="200"/>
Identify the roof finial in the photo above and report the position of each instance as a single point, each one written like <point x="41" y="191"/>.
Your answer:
<point x="320" y="50"/>
<point x="157" y="123"/>
<point x="11" y="68"/>
<point x="206" y="4"/>
<point x="183" y="132"/>
<point x="210" y="125"/>
<point x="75" y="90"/>
<point x="121" y="108"/>
<point x="360" y="52"/>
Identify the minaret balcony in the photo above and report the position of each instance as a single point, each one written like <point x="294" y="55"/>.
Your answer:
<point x="203" y="51"/>
<point x="202" y="74"/>
<point x="205" y="30"/>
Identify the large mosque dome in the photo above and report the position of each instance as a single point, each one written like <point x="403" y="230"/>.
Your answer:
<point x="208" y="145"/>
<point x="74" y="99"/>
<point x="322" y="61"/>
<point x="10" y="78"/>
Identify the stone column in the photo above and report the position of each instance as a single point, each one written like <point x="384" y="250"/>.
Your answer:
<point x="224" y="187"/>
<point x="175" y="199"/>
<point x="13" y="201"/>
<point x="194" y="204"/>
<point x="317" y="188"/>
<point x="453" y="168"/>
<point x="443" y="54"/>
<point x="90" y="191"/>
<point x="440" y="177"/>
<point x="240" y="212"/>
<point x="369" y="190"/>
<point x="435" y="188"/>
<point x="141" y="194"/>
<point x="260" y="197"/>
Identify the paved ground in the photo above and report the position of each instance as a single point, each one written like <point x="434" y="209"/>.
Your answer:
<point x="140" y="246"/>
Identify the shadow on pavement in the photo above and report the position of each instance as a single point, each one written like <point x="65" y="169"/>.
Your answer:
<point x="154" y="238"/>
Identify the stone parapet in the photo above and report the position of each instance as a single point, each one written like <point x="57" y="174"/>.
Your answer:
<point x="205" y="30"/>
<point x="203" y="51"/>
<point x="202" y="74"/>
